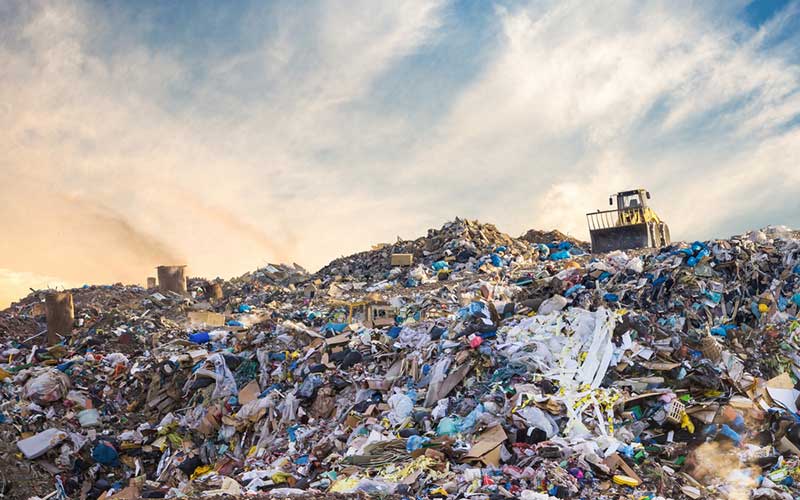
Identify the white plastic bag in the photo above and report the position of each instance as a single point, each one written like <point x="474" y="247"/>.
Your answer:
<point x="226" y="384"/>
<point x="537" y="419"/>
<point x="401" y="407"/>
<point x="47" y="387"/>
<point x="554" y="303"/>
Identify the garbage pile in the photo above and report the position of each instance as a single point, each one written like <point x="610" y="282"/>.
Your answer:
<point x="477" y="366"/>
<point x="458" y="241"/>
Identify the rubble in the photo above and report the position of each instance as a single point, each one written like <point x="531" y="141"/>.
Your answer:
<point x="481" y="366"/>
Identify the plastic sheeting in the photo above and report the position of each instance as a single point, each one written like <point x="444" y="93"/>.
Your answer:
<point x="226" y="384"/>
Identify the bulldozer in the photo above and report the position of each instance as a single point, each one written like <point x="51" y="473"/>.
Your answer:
<point x="632" y="224"/>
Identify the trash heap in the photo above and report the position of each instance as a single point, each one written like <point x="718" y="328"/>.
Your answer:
<point x="482" y="366"/>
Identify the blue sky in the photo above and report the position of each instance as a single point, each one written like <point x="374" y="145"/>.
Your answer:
<point x="226" y="135"/>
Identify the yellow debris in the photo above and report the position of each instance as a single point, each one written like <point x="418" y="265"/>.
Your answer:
<point x="200" y="471"/>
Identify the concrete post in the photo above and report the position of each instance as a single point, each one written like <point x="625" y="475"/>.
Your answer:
<point x="60" y="315"/>
<point x="172" y="279"/>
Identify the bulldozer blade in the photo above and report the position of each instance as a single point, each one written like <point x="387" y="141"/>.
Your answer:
<point x="620" y="238"/>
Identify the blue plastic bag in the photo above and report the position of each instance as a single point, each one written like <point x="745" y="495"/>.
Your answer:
<point x="335" y="327"/>
<point x="415" y="443"/>
<point x="560" y="255"/>
<point x="447" y="426"/>
<point x="105" y="454"/>
<point x="200" y="338"/>
<point x="439" y="265"/>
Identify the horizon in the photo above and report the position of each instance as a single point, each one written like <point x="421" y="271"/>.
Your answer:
<point x="4" y="304"/>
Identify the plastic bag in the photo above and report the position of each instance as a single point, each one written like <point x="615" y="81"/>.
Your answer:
<point x="469" y="421"/>
<point x="253" y="410"/>
<point x="439" y="265"/>
<point x="535" y="495"/>
<point x="106" y="454"/>
<point x="537" y="419"/>
<point x="376" y="488"/>
<point x="418" y="273"/>
<point x="554" y="303"/>
<point x="309" y="386"/>
<point x="264" y="366"/>
<point x="226" y="384"/>
<point x="200" y="338"/>
<point x="47" y="387"/>
<point x="438" y="374"/>
<point x="441" y="409"/>
<point x="636" y="264"/>
<point x="415" y="443"/>
<point x="447" y="426"/>
<point x="401" y="408"/>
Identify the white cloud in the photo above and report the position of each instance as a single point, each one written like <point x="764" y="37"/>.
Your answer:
<point x="101" y="168"/>
<point x="568" y="112"/>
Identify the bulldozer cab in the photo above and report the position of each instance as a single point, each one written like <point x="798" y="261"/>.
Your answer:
<point x="632" y="224"/>
<point x="632" y="206"/>
<point x="631" y="199"/>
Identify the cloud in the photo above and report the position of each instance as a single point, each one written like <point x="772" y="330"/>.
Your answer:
<point x="230" y="136"/>
<point x="580" y="101"/>
<point x="108" y="174"/>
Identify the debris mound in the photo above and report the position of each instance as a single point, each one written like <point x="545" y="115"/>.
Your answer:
<point x="545" y="237"/>
<point x="464" y="364"/>
<point x="460" y="239"/>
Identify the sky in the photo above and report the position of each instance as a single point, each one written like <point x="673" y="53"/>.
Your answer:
<point x="226" y="135"/>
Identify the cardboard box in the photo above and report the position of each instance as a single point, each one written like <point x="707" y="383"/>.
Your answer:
<point x="402" y="259"/>
<point x="486" y="448"/>
<point x="249" y="393"/>
<point x="206" y="318"/>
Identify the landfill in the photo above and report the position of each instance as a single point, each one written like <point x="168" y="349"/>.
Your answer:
<point x="463" y="364"/>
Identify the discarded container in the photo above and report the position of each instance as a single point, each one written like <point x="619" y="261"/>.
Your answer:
<point x="89" y="417"/>
<point x="172" y="279"/>
<point x="675" y="411"/>
<point x="60" y="316"/>
<point x="626" y="480"/>
<point x="711" y="349"/>
<point x="402" y="259"/>
<point x="39" y="444"/>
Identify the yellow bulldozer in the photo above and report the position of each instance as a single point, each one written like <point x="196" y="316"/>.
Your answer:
<point x="632" y="224"/>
